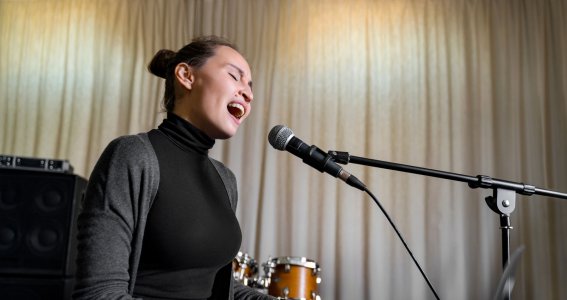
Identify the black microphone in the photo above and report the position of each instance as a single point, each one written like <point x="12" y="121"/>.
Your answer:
<point x="282" y="138"/>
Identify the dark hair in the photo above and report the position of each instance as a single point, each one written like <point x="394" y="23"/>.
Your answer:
<point x="195" y="54"/>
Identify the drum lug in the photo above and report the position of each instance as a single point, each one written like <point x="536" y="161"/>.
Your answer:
<point x="301" y="271"/>
<point x="264" y="282"/>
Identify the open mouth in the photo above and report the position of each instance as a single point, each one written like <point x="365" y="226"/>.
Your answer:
<point x="236" y="109"/>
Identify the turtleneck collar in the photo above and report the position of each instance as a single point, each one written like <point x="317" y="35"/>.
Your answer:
<point x="185" y="135"/>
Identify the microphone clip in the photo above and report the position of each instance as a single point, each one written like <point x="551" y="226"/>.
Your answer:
<point x="340" y="157"/>
<point x="319" y="160"/>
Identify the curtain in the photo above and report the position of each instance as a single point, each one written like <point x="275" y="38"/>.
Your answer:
<point x="465" y="86"/>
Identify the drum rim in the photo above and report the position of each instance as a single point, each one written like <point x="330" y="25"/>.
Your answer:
<point x="293" y="260"/>
<point x="245" y="258"/>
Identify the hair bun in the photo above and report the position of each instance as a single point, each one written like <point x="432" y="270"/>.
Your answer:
<point x="158" y="65"/>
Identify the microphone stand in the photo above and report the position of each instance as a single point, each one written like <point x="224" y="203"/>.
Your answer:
<point x="502" y="201"/>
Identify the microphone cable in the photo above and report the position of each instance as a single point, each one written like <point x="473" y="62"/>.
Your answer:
<point x="282" y="138"/>
<point x="403" y="241"/>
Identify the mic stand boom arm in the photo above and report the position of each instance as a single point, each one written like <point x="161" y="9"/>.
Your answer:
<point x="479" y="181"/>
<point x="502" y="202"/>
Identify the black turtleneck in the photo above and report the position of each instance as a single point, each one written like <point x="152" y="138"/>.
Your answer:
<point x="191" y="230"/>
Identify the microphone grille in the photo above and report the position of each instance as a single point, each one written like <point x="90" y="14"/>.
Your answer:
<point x="279" y="136"/>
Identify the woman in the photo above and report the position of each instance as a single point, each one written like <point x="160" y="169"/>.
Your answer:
<point x="158" y="219"/>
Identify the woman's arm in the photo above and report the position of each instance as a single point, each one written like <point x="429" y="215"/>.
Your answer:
<point x="110" y="226"/>
<point x="242" y="292"/>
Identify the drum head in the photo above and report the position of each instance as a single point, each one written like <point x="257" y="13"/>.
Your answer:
<point x="293" y="260"/>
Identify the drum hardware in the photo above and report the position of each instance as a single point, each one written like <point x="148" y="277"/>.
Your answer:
<point x="285" y="292"/>
<point x="288" y="277"/>
<point x="244" y="268"/>
<point x="292" y="278"/>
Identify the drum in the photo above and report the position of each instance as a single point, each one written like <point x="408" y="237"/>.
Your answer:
<point x="244" y="268"/>
<point x="292" y="278"/>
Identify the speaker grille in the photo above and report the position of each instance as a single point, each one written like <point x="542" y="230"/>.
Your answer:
<point x="38" y="212"/>
<point x="22" y="288"/>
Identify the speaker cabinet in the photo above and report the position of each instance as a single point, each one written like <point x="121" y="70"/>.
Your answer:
<point x="24" y="288"/>
<point x="38" y="214"/>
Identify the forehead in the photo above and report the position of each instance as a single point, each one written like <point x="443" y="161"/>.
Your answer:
<point x="226" y="56"/>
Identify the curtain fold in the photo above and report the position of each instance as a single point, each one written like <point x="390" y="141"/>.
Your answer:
<point x="467" y="86"/>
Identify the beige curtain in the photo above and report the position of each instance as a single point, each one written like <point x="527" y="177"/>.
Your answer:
<point x="472" y="87"/>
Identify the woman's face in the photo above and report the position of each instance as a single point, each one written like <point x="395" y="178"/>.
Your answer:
<point x="219" y="94"/>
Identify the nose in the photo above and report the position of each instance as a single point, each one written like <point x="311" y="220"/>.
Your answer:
<point x="246" y="93"/>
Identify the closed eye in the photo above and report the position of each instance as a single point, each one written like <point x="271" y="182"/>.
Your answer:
<point x="233" y="76"/>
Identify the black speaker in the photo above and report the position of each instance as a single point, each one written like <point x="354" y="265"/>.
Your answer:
<point x="38" y="214"/>
<point x="35" y="288"/>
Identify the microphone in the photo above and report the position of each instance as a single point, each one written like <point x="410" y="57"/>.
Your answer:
<point x="282" y="138"/>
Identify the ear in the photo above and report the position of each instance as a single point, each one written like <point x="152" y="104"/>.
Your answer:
<point x="184" y="75"/>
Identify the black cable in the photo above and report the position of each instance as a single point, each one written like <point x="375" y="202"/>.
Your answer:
<point x="403" y="242"/>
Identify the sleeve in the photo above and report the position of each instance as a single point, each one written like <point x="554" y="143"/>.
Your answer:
<point x="242" y="292"/>
<point x="109" y="223"/>
<point x="224" y="281"/>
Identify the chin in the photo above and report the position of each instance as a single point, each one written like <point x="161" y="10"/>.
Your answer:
<point x="223" y="137"/>
<point x="225" y="134"/>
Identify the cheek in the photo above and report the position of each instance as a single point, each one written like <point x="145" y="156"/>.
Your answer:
<point x="220" y="91"/>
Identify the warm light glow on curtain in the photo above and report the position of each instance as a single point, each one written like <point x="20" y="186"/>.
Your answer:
<point x="472" y="87"/>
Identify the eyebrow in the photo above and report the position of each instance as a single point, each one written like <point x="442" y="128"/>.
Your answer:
<point x="241" y="73"/>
